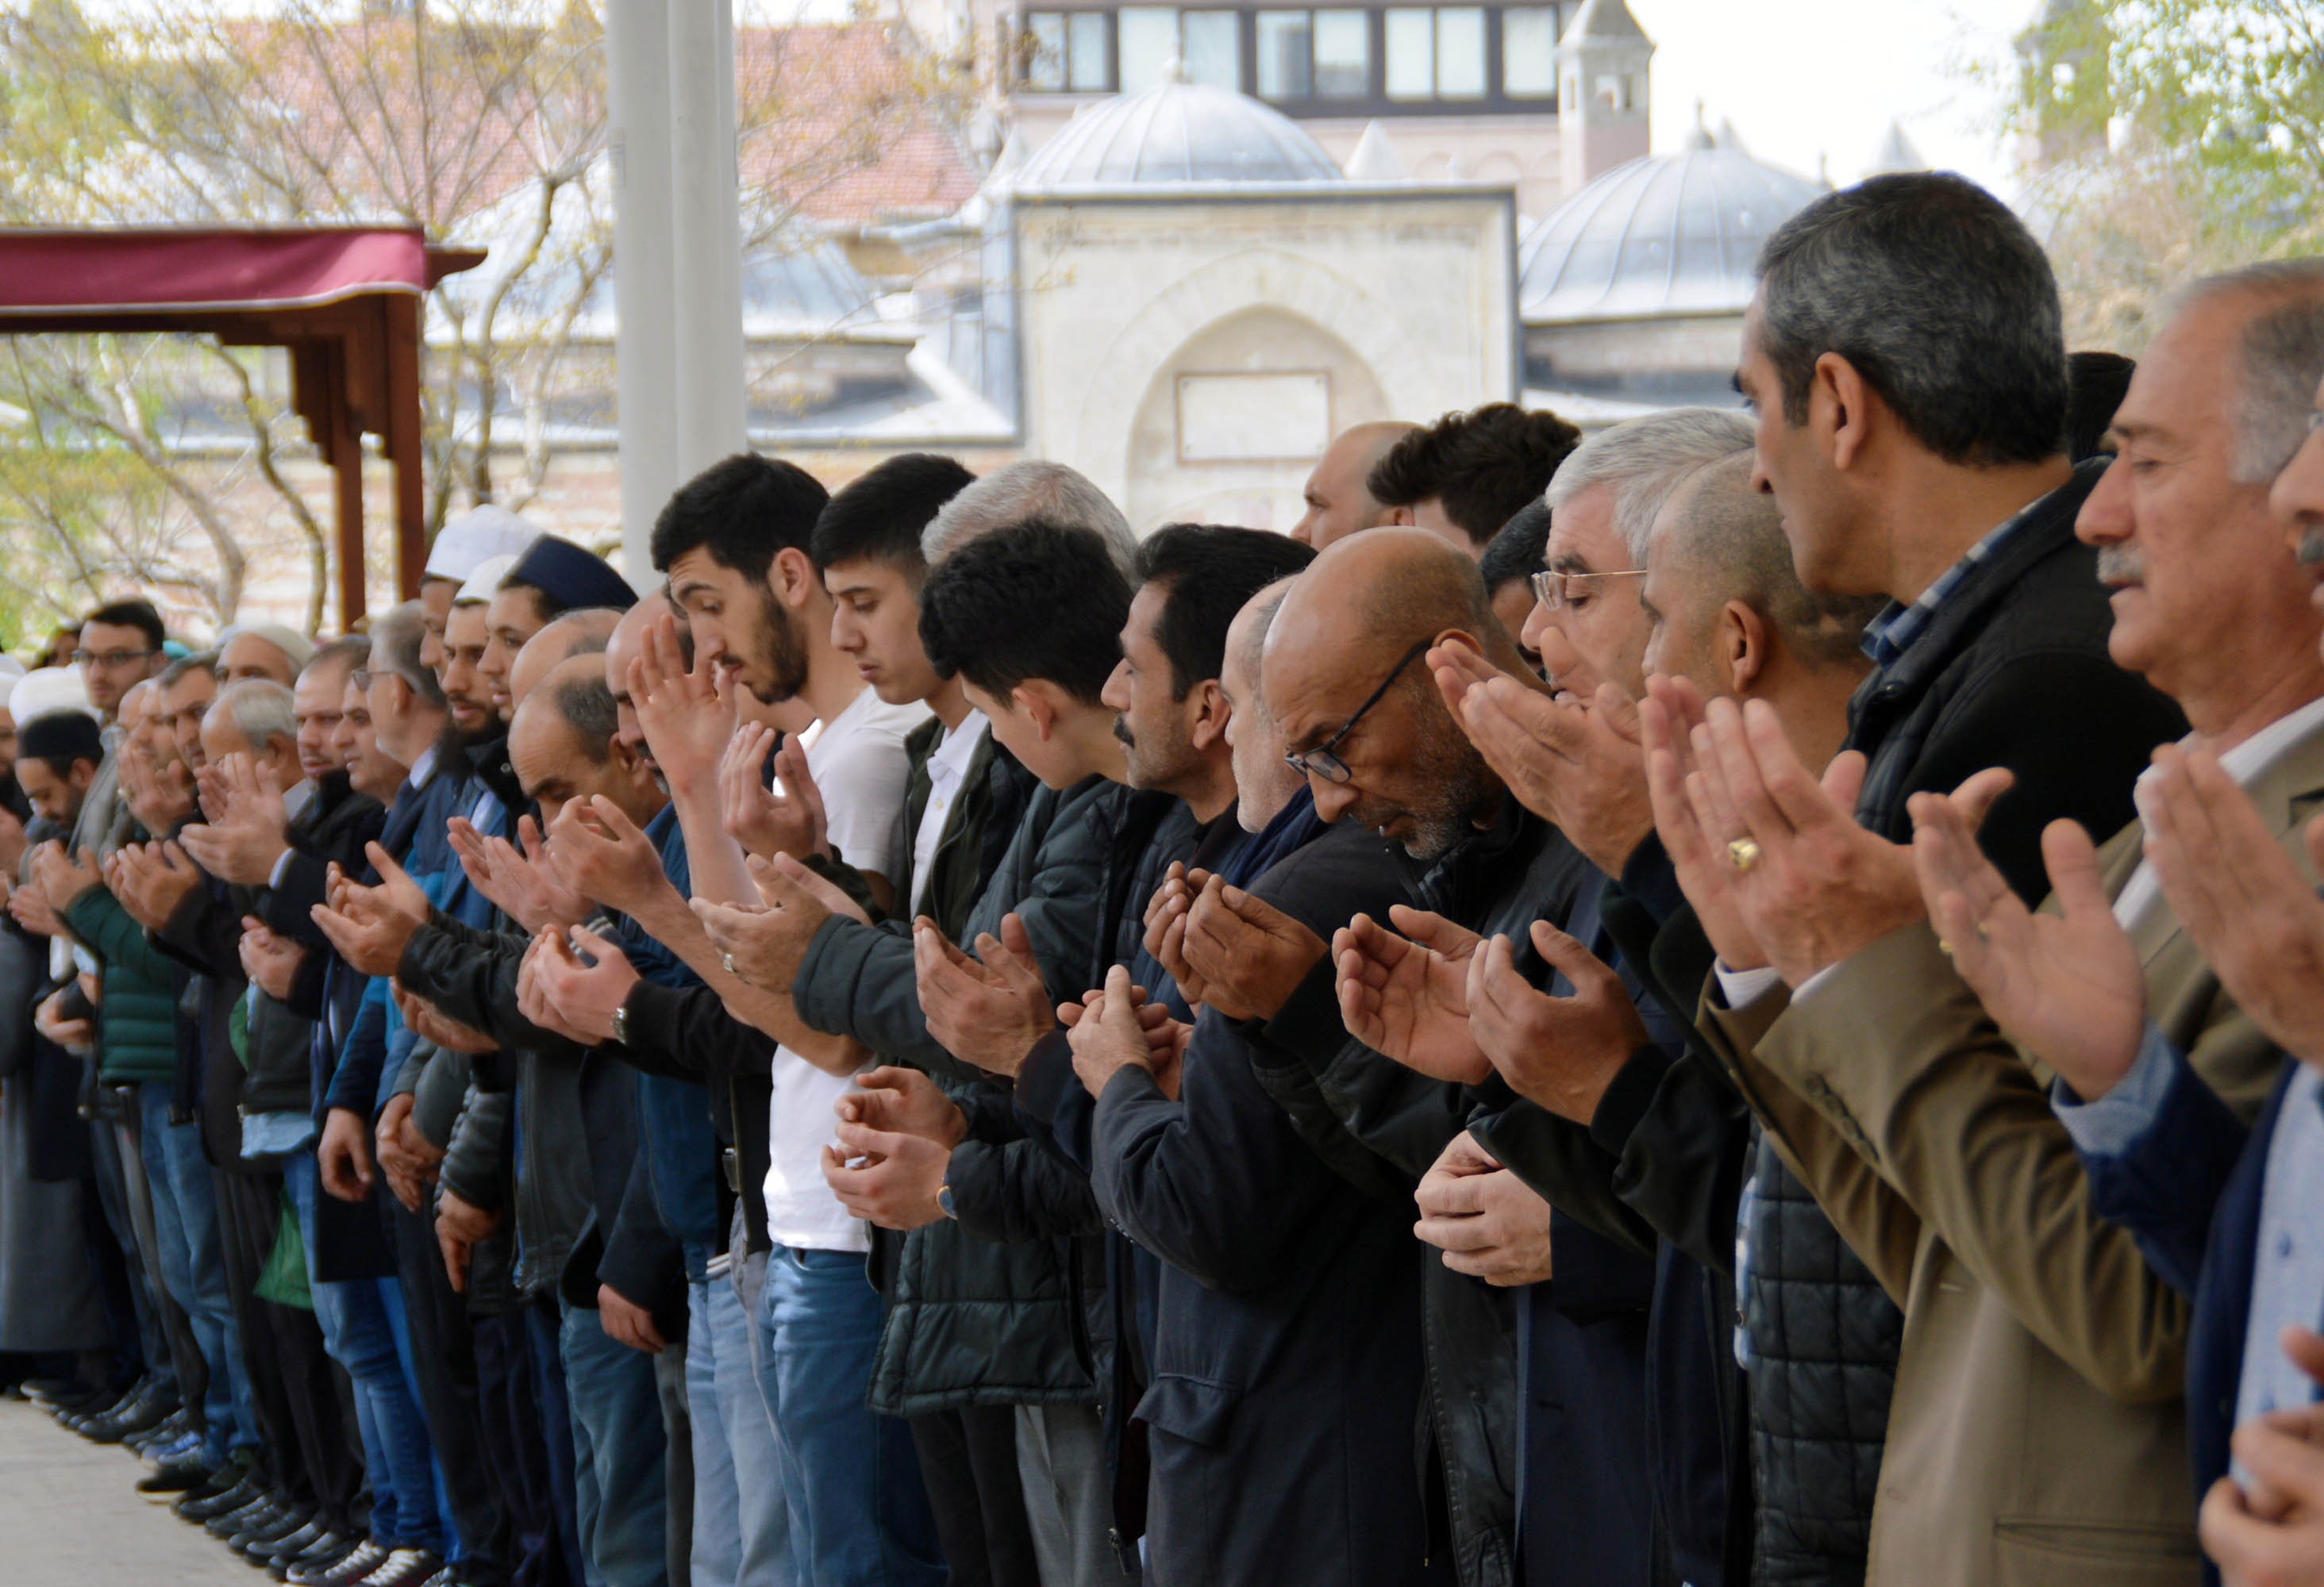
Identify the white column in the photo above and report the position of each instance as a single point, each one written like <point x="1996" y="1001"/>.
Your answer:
<point x="707" y="229"/>
<point x="645" y="345"/>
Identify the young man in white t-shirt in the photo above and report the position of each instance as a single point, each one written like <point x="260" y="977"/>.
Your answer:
<point x="859" y="1513"/>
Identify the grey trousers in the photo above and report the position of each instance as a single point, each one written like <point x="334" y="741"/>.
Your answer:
<point x="1068" y="1501"/>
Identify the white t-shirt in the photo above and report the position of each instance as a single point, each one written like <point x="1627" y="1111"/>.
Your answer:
<point x="947" y="770"/>
<point x="860" y="766"/>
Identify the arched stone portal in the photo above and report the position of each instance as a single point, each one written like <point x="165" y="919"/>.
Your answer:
<point x="1230" y="422"/>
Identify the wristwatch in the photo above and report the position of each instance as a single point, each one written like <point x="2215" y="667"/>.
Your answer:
<point x="622" y="1024"/>
<point x="943" y="1202"/>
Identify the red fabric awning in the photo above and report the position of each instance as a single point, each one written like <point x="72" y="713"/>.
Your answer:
<point x="123" y="271"/>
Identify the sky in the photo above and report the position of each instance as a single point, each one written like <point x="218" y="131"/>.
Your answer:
<point x="1804" y="77"/>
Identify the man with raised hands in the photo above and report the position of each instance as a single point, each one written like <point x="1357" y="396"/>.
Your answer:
<point x="365" y="1122"/>
<point x="1924" y="1128"/>
<point x="1040" y="688"/>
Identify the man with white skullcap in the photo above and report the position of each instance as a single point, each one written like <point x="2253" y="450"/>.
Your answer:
<point x="462" y="544"/>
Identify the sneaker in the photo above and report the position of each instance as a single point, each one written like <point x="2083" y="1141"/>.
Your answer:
<point x="171" y="1478"/>
<point x="367" y="1558"/>
<point x="406" y="1567"/>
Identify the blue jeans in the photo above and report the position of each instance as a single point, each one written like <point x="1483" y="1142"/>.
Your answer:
<point x="860" y="1515"/>
<point x="193" y="1268"/>
<point x="618" y="1451"/>
<point x="741" y="1518"/>
<point x="356" y="1318"/>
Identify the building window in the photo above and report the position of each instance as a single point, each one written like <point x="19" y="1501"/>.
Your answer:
<point x="1437" y="54"/>
<point x="1314" y="55"/>
<point x="1529" y="52"/>
<point x="1208" y="42"/>
<point x="1065" y="52"/>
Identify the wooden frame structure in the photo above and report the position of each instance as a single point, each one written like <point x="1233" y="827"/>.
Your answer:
<point x="347" y="303"/>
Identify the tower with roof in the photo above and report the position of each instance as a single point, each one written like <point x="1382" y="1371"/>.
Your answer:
<point x="1602" y="98"/>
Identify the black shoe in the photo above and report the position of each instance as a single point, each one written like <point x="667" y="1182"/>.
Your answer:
<point x="168" y="1430"/>
<point x="179" y="1476"/>
<point x="261" y="1510"/>
<point x="140" y="1414"/>
<point x="325" y="1554"/>
<point x="355" y="1563"/>
<point x="239" y="1490"/>
<point x="315" y="1538"/>
<point x="257" y="1543"/>
<point x="76" y="1418"/>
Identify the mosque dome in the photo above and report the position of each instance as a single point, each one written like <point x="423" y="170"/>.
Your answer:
<point x="1664" y="235"/>
<point x="1174" y="132"/>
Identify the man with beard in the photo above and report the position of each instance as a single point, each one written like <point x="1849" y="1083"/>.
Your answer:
<point x="1369" y="729"/>
<point x="364" y="1031"/>
<point x="736" y="543"/>
<point x="509" y="1289"/>
<point x="464" y="543"/>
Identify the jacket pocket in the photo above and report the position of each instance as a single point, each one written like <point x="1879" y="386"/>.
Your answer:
<point x="1193" y="1408"/>
<point x="2038" y="1550"/>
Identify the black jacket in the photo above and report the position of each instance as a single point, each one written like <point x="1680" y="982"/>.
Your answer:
<point x="980" y="1316"/>
<point x="1286" y="1358"/>
<point x="1550" y="1382"/>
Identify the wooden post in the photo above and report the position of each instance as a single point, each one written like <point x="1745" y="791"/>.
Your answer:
<point x="403" y="441"/>
<point x="343" y="449"/>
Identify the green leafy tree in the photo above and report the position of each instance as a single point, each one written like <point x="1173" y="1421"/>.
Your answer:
<point x="2165" y="138"/>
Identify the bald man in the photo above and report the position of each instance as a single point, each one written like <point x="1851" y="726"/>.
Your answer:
<point x="1344" y="677"/>
<point x="1338" y="502"/>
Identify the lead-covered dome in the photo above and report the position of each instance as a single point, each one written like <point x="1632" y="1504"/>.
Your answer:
<point x="1663" y="235"/>
<point x="1174" y="132"/>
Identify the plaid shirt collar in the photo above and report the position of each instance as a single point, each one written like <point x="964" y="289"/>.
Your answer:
<point x="1893" y="632"/>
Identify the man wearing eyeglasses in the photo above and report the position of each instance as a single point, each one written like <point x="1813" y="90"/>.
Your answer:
<point x="120" y="647"/>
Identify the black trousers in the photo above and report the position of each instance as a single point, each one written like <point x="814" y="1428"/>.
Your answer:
<point x="444" y="1356"/>
<point x="968" y="1460"/>
<point x="305" y="1405"/>
<point x="528" y="1432"/>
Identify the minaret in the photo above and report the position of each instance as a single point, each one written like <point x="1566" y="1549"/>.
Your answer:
<point x="1603" y="98"/>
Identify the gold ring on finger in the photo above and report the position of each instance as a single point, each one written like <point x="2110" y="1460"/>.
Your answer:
<point x="1743" y="853"/>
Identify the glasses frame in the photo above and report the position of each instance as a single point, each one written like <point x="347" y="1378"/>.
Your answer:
<point x="1549" y="586"/>
<point x="109" y="659"/>
<point x="1320" y="761"/>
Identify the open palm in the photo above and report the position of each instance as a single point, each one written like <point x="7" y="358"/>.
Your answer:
<point x="1406" y="995"/>
<point x="2068" y="987"/>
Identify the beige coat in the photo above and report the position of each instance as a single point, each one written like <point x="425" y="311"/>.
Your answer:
<point x="2037" y="1434"/>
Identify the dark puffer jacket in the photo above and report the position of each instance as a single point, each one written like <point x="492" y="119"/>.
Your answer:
<point x="970" y="1321"/>
<point x="137" y="1019"/>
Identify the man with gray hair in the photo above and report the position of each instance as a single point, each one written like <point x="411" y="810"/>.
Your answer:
<point x="2049" y="1343"/>
<point x="1021" y="492"/>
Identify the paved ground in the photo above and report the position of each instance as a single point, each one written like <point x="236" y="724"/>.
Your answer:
<point x="70" y="1517"/>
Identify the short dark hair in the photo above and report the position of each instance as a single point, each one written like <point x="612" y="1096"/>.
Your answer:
<point x="1517" y="552"/>
<point x="2096" y="383"/>
<point x="1209" y="573"/>
<point x="1483" y="465"/>
<point x="878" y="517"/>
<point x="137" y="614"/>
<point x="743" y="510"/>
<point x="1942" y="301"/>
<point x="1037" y="599"/>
